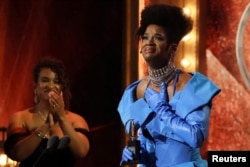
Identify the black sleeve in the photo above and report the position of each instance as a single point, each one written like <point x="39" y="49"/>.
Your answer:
<point x="12" y="140"/>
<point x="85" y="133"/>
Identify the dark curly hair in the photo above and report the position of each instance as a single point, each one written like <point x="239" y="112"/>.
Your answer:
<point x="171" y="18"/>
<point x="58" y="67"/>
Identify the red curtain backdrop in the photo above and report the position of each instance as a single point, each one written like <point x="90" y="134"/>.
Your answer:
<point x="80" y="33"/>
<point x="87" y="36"/>
<point x="24" y="34"/>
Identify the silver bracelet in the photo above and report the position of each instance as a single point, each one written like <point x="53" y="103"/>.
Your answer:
<point x="40" y="134"/>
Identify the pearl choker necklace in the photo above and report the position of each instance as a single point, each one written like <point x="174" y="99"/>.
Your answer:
<point x="164" y="74"/>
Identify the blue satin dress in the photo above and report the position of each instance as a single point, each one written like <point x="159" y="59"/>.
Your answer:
<point x="172" y="139"/>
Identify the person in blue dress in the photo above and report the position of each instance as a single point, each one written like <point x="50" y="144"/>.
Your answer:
<point x="170" y="107"/>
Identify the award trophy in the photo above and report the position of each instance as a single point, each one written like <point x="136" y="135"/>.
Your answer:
<point x="133" y="145"/>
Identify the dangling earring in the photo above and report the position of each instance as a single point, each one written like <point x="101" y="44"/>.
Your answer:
<point x="35" y="98"/>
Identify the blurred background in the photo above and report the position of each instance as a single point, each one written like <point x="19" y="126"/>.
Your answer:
<point x="96" y="40"/>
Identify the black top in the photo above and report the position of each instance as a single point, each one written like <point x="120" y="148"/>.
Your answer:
<point x="52" y="158"/>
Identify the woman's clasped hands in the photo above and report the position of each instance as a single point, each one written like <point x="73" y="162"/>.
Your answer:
<point x="56" y="105"/>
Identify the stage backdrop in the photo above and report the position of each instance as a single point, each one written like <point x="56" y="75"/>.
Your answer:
<point x="229" y="125"/>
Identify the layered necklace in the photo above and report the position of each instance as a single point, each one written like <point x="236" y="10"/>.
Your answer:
<point x="164" y="74"/>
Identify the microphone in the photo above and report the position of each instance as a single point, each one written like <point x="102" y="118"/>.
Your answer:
<point x="64" y="142"/>
<point x="52" y="144"/>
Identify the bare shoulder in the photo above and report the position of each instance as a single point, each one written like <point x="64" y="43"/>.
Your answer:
<point x="18" y="120"/>
<point x="20" y="115"/>
<point x="77" y="120"/>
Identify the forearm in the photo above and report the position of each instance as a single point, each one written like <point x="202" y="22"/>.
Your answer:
<point x="191" y="134"/>
<point x="23" y="148"/>
<point x="192" y="130"/>
<point x="79" y="144"/>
